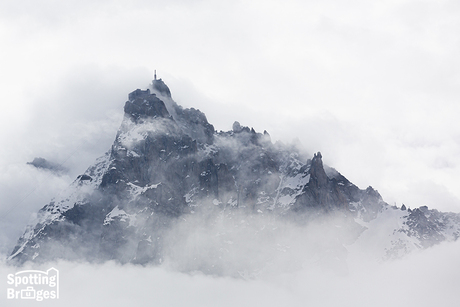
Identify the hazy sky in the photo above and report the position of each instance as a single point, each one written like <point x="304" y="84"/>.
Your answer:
<point x="372" y="85"/>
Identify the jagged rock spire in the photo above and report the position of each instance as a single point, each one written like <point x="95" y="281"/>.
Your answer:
<point x="318" y="176"/>
<point x="159" y="86"/>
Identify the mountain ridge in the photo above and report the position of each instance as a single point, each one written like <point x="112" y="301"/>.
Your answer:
<point x="167" y="163"/>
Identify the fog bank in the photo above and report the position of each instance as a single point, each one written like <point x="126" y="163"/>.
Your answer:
<point x="429" y="278"/>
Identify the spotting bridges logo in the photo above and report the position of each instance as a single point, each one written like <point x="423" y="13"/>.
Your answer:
<point x="33" y="285"/>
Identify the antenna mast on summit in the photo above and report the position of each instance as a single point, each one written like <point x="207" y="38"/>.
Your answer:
<point x="155" y="75"/>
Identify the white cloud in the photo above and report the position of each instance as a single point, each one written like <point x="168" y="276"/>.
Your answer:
<point x="373" y="86"/>
<point x="423" y="279"/>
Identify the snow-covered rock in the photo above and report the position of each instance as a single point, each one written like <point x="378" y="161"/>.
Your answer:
<point x="167" y="164"/>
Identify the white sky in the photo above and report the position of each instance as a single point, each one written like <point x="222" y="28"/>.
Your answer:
<point x="373" y="85"/>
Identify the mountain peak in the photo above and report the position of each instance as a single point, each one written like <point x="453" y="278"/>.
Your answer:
<point x="161" y="87"/>
<point x="318" y="175"/>
<point x="167" y="163"/>
<point x="143" y="104"/>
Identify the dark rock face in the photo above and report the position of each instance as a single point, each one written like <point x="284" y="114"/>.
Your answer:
<point x="429" y="226"/>
<point x="161" y="87"/>
<point x="167" y="163"/>
<point x="334" y="192"/>
<point x="142" y="105"/>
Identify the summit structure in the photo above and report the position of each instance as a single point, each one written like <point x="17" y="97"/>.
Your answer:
<point x="168" y="166"/>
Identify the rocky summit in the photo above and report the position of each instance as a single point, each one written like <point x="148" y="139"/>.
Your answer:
<point x="168" y="167"/>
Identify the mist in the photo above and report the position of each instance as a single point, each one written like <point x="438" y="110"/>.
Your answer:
<point x="373" y="86"/>
<point x="229" y="261"/>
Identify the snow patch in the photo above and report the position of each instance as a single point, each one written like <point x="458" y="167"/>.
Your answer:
<point x="120" y="215"/>
<point x="135" y="191"/>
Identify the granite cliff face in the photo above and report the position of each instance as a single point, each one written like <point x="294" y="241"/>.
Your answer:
<point x="168" y="164"/>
